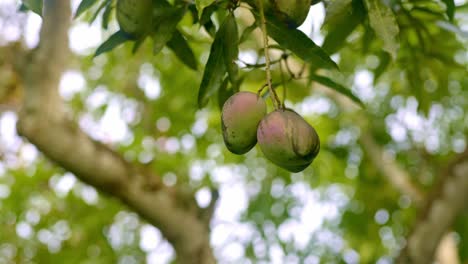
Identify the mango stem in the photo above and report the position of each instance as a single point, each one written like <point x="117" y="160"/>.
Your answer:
<point x="273" y="95"/>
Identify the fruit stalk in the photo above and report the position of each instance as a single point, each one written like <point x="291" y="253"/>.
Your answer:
<point x="273" y="95"/>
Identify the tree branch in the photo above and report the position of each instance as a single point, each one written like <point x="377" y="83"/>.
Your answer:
<point x="397" y="176"/>
<point x="446" y="252"/>
<point x="43" y="122"/>
<point x="443" y="207"/>
<point x="11" y="89"/>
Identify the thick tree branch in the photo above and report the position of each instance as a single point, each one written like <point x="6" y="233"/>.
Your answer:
<point x="43" y="122"/>
<point x="397" y="176"/>
<point x="442" y="209"/>
<point x="446" y="248"/>
<point x="11" y="89"/>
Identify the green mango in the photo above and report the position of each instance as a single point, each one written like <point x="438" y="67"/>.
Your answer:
<point x="293" y="12"/>
<point x="287" y="140"/>
<point x="239" y="119"/>
<point x="135" y="17"/>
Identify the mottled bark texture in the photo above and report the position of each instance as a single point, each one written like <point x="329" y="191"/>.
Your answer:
<point x="441" y="209"/>
<point x="431" y="239"/>
<point x="44" y="123"/>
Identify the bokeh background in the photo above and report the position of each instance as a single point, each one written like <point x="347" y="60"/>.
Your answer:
<point x="344" y="208"/>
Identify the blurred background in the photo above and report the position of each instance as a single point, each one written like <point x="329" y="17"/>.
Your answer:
<point x="356" y="203"/>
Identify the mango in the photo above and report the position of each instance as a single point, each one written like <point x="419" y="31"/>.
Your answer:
<point x="293" y="12"/>
<point x="241" y="114"/>
<point x="287" y="140"/>
<point x="135" y="16"/>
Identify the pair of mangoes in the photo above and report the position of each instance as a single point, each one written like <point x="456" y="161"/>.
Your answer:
<point x="284" y="137"/>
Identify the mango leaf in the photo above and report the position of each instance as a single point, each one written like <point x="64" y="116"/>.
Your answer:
<point x="231" y="48"/>
<point x="137" y="44"/>
<point x="210" y="28"/>
<point x="384" y="60"/>
<point x="337" y="36"/>
<point x="215" y="68"/>
<point x="337" y="87"/>
<point x="384" y="24"/>
<point x="224" y="93"/>
<point x="452" y="28"/>
<point x="450" y="8"/>
<point x="165" y="20"/>
<point x="298" y="42"/>
<point x="205" y="16"/>
<point x="106" y="15"/>
<point x="346" y="18"/>
<point x="367" y="40"/>
<point x="98" y="11"/>
<point x="201" y="4"/>
<point x="179" y="45"/>
<point x="84" y="5"/>
<point x="462" y="7"/>
<point x="336" y="10"/>
<point x="245" y="34"/>
<point x="33" y="5"/>
<point x="23" y="8"/>
<point x="113" y="41"/>
<point x="416" y="81"/>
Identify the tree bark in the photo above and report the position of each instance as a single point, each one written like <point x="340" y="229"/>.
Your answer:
<point x="396" y="175"/>
<point x="445" y="247"/>
<point x="42" y="120"/>
<point x="443" y="206"/>
<point x="421" y="247"/>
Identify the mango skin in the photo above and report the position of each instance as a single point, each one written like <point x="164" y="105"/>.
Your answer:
<point x="240" y="117"/>
<point x="293" y="12"/>
<point x="287" y="140"/>
<point x="135" y="16"/>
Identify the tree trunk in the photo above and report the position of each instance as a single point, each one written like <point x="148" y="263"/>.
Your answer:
<point x="42" y="120"/>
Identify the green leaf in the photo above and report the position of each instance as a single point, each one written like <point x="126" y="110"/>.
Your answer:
<point x="341" y="24"/>
<point x="384" y="24"/>
<point x="367" y="40"/>
<point x="33" y="5"/>
<point x="84" y="5"/>
<point x="96" y="13"/>
<point x="336" y="10"/>
<point x="179" y="45"/>
<point x="337" y="87"/>
<point x="337" y="36"/>
<point x="106" y="15"/>
<point x="113" y="41"/>
<point x="215" y="69"/>
<point x="23" y="8"/>
<point x="205" y="17"/>
<point x="210" y="28"/>
<point x="298" y="42"/>
<point x="384" y="59"/>
<point x="246" y="32"/>
<point x="137" y="44"/>
<point x="231" y="47"/>
<point x="166" y="20"/>
<point x="463" y="7"/>
<point x="452" y="28"/>
<point x="224" y="93"/>
<point x="450" y="8"/>
<point x="201" y="4"/>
